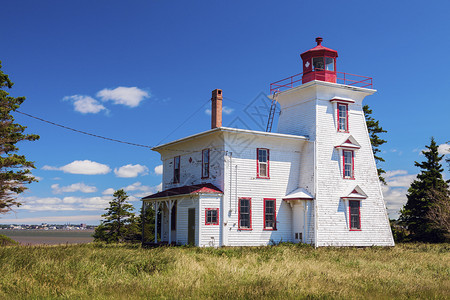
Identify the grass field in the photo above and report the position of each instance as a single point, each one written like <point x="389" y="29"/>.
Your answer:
<point x="99" y="271"/>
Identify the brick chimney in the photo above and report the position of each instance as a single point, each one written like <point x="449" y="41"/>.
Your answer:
<point x="216" y="109"/>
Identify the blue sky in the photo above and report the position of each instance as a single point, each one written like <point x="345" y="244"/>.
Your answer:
<point x="136" y="70"/>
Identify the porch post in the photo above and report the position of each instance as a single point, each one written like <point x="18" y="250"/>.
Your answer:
<point x="144" y="206"/>
<point x="169" y="204"/>
<point x="156" y="221"/>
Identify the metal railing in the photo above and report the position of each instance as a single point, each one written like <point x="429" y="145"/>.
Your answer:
<point x="341" y="77"/>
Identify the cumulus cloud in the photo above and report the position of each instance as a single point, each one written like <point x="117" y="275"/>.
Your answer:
<point x="65" y="204"/>
<point x="128" y="96"/>
<point x="109" y="191"/>
<point x="225" y="109"/>
<point x="159" y="170"/>
<point x="146" y="190"/>
<point x="394" y="193"/>
<point x="444" y="149"/>
<point x="85" y="104"/>
<point x="85" y="167"/>
<point x="76" y="187"/>
<point x="129" y="171"/>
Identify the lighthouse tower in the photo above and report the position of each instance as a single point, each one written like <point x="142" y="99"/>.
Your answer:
<point x="337" y="164"/>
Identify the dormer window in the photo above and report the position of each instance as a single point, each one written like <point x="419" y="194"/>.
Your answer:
<point x="348" y="164"/>
<point x="342" y="117"/>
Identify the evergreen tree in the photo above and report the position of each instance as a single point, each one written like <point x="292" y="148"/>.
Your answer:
<point x="14" y="168"/>
<point x="374" y="130"/>
<point x="420" y="197"/>
<point x="118" y="218"/>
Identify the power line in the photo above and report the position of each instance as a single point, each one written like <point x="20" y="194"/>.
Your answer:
<point x="83" y="132"/>
<point x="187" y="119"/>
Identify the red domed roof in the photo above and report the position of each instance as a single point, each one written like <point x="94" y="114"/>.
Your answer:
<point x="320" y="50"/>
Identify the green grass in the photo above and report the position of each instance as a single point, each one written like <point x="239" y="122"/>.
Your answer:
<point x="99" y="271"/>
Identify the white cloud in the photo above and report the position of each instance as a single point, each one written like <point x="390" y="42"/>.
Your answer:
<point x="34" y="204"/>
<point x="444" y="149"/>
<point x="81" y="187"/>
<point x="159" y="170"/>
<point x="225" y="109"/>
<point x="128" y="96"/>
<point x="85" y="104"/>
<point x="137" y="186"/>
<point x="394" y="193"/>
<point x="85" y="167"/>
<point x="149" y="190"/>
<point x="395" y="198"/>
<point x="109" y="191"/>
<point x="129" y="171"/>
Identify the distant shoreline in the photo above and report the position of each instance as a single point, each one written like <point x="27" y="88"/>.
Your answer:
<point x="49" y="237"/>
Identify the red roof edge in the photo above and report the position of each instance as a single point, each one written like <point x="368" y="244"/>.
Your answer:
<point x="207" y="188"/>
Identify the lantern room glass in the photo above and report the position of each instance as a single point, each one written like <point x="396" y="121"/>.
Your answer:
<point x="329" y="64"/>
<point x="317" y="63"/>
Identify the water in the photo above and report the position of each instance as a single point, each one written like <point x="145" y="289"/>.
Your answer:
<point x="49" y="237"/>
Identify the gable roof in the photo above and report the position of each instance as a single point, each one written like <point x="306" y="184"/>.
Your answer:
<point x="298" y="194"/>
<point x="206" y="188"/>
<point x="356" y="193"/>
<point x="349" y="143"/>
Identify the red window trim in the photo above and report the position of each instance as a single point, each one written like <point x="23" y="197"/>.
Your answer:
<point x="346" y="117"/>
<point x="257" y="163"/>
<point x="209" y="161"/>
<point x="179" y="168"/>
<point x="206" y="216"/>
<point x="353" y="164"/>
<point x="350" y="215"/>
<point x="250" y="213"/>
<point x="274" y="214"/>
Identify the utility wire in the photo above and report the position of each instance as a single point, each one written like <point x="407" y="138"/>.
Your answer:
<point x="187" y="119"/>
<point x="83" y="132"/>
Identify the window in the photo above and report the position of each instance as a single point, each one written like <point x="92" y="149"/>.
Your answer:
<point x="245" y="214"/>
<point x="342" y="117"/>
<point x="270" y="219"/>
<point x="317" y="63"/>
<point x="355" y="214"/>
<point x="205" y="163"/>
<point x="348" y="164"/>
<point x="329" y="64"/>
<point x="211" y="216"/>
<point x="176" y="169"/>
<point x="263" y="163"/>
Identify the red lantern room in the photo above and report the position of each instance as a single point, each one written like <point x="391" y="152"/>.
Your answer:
<point x="319" y="63"/>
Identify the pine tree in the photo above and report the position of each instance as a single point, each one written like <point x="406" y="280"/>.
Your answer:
<point x="14" y="168"/>
<point x="118" y="217"/>
<point x="420" y="197"/>
<point x="374" y="130"/>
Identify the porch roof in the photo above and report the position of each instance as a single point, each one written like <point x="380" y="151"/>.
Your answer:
<point x="206" y="188"/>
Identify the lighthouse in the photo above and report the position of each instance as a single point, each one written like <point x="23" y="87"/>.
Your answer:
<point x="326" y="106"/>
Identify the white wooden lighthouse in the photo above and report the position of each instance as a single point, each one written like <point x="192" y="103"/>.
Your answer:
<point x="313" y="181"/>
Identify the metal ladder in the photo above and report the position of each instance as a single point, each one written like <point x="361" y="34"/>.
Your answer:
<point x="273" y="108"/>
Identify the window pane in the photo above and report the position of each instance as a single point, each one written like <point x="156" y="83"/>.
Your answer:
<point x="329" y="62"/>
<point x="262" y="170"/>
<point x="317" y="63"/>
<point x="342" y="117"/>
<point x="269" y="214"/>
<point x="262" y="155"/>
<point x="354" y="215"/>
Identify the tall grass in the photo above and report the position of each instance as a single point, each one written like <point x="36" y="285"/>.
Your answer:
<point x="99" y="271"/>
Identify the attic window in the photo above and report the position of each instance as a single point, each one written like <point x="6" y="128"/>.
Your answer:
<point x="176" y="169"/>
